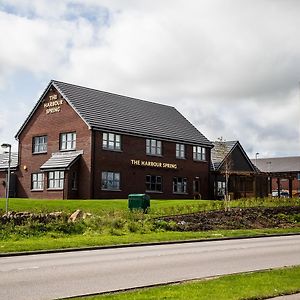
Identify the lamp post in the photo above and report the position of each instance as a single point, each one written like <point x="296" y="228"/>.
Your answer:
<point x="269" y="176"/>
<point x="5" y="146"/>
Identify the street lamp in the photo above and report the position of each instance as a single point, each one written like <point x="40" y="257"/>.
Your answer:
<point x="5" y="146"/>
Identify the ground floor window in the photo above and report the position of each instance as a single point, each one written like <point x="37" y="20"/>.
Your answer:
<point x="179" y="185"/>
<point x="110" y="180"/>
<point x="37" y="181"/>
<point x="221" y="188"/>
<point x="56" y="180"/>
<point x="154" y="183"/>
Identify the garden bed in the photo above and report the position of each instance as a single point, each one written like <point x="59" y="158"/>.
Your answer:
<point x="237" y="218"/>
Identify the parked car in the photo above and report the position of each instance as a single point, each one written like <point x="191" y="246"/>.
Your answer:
<point x="283" y="194"/>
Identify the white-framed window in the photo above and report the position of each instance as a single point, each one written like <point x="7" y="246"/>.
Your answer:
<point x="153" y="183"/>
<point x="221" y="188"/>
<point x="56" y="179"/>
<point x="153" y="147"/>
<point x="111" y="141"/>
<point x="179" y="185"/>
<point x="180" y="151"/>
<point x="298" y="176"/>
<point x="68" y="141"/>
<point x="110" y="180"/>
<point x="37" y="181"/>
<point x="39" y="144"/>
<point x="199" y="153"/>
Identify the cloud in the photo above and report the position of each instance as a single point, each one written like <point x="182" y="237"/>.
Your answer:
<point x="231" y="67"/>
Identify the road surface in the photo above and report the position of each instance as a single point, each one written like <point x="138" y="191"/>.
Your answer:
<point x="51" y="276"/>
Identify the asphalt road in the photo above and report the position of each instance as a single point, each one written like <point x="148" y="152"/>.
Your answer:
<point x="51" y="276"/>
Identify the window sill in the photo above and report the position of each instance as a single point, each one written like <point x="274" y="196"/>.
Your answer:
<point x="112" y="150"/>
<point x="66" y="150"/>
<point x="36" y="190"/>
<point x="57" y="189"/>
<point x="37" y="153"/>
<point x="111" y="190"/>
<point x="198" y="160"/>
<point x="154" y="192"/>
<point x="180" y="193"/>
<point x="181" y="158"/>
<point x="156" y="155"/>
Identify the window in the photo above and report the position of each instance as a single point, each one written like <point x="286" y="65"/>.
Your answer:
<point x="111" y="141"/>
<point x="298" y="176"/>
<point x="153" y="147"/>
<point x="110" y="181"/>
<point x="56" y="180"/>
<point x="37" y="181"/>
<point x="74" y="181"/>
<point x="199" y="153"/>
<point x="39" y="144"/>
<point x="179" y="185"/>
<point x="154" y="183"/>
<point x="221" y="189"/>
<point x="68" y="141"/>
<point x="180" y="151"/>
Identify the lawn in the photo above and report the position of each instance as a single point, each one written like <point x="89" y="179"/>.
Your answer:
<point x="112" y="223"/>
<point x="103" y="206"/>
<point x="158" y="207"/>
<point x="257" y="285"/>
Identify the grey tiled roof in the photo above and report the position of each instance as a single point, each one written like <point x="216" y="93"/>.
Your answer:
<point x="4" y="160"/>
<point x="61" y="160"/>
<point x="220" y="151"/>
<point x="278" y="164"/>
<point x="107" y="111"/>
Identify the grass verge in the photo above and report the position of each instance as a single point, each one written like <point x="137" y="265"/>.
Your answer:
<point x="93" y="240"/>
<point x="257" y="285"/>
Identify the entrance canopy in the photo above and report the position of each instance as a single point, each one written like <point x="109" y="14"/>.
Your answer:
<point x="61" y="160"/>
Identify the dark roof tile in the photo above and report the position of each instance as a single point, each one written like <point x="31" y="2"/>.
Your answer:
<point x="107" y="111"/>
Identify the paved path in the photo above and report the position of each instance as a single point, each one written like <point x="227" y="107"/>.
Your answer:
<point x="50" y="276"/>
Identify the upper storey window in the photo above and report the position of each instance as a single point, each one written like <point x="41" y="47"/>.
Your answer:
<point x="111" y="141"/>
<point x="180" y="151"/>
<point x="153" y="147"/>
<point x="199" y="153"/>
<point x="68" y="141"/>
<point x="39" y="144"/>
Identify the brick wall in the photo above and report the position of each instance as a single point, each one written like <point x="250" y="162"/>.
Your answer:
<point x="133" y="177"/>
<point x="52" y="124"/>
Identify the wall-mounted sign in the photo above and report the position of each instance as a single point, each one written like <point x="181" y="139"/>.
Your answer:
<point x="53" y="105"/>
<point x="154" y="164"/>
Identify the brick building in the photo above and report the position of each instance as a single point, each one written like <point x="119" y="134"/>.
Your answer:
<point x="4" y="157"/>
<point x="83" y="143"/>
<point x="284" y="174"/>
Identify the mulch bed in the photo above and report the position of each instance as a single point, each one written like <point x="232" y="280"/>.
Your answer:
<point x="238" y="218"/>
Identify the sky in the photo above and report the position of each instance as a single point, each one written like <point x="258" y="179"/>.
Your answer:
<point x="232" y="68"/>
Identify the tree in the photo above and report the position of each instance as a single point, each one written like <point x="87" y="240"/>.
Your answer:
<point x="225" y="167"/>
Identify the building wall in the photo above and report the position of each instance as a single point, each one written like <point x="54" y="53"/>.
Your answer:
<point x="133" y="177"/>
<point x="95" y="159"/>
<point x="284" y="185"/>
<point x="2" y="184"/>
<point x="52" y="124"/>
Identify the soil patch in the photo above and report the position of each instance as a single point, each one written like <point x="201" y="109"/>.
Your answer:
<point x="237" y="218"/>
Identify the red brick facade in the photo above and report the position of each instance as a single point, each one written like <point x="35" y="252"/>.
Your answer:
<point x="95" y="159"/>
<point x="52" y="124"/>
<point x="284" y="185"/>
